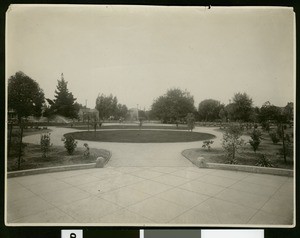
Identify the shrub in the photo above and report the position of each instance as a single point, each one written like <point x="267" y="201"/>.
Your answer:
<point x="266" y="126"/>
<point x="263" y="161"/>
<point x="86" y="153"/>
<point x="45" y="144"/>
<point x="207" y="144"/>
<point x="274" y="137"/>
<point x="70" y="144"/>
<point x="232" y="142"/>
<point x="255" y="139"/>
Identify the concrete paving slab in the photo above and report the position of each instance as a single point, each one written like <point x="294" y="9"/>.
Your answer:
<point x="202" y="188"/>
<point x="124" y="196"/>
<point x="25" y="207"/>
<point x="255" y="188"/>
<point x="226" y="212"/>
<point x="171" y="180"/>
<point x="53" y="215"/>
<point x="183" y="197"/>
<point x="158" y="210"/>
<point x="220" y="181"/>
<point x="64" y="196"/>
<point x="262" y="217"/>
<point x="146" y="173"/>
<point x="193" y="217"/>
<point x="243" y="198"/>
<point x="125" y="217"/>
<point x="150" y="187"/>
<point x="89" y="210"/>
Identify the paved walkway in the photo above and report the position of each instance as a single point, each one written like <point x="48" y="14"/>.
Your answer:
<point x="161" y="188"/>
<point x="155" y="195"/>
<point x="137" y="154"/>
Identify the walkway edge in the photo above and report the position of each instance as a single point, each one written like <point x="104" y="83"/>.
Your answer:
<point x="200" y="162"/>
<point x="50" y="170"/>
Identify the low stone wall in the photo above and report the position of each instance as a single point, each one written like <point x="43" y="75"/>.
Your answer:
<point x="201" y="163"/>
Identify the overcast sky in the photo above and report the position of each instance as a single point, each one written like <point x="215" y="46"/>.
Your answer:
<point x="138" y="53"/>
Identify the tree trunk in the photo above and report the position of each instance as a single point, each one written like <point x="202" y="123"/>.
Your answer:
<point x="283" y="144"/>
<point x="20" y="147"/>
<point x="10" y="125"/>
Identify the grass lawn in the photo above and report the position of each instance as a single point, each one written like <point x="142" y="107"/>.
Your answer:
<point x="141" y="136"/>
<point x="57" y="156"/>
<point x="166" y="127"/>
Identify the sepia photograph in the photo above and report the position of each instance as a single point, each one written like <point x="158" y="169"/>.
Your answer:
<point x="142" y="116"/>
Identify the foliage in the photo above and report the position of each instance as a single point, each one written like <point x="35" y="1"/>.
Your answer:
<point x="240" y="108"/>
<point x="24" y="95"/>
<point x="108" y="106"/>
<point x="86" y="153"/>
<point x="255" y="139"/>
<point x="45" y="144"/>
<point x="265" y="125"/>
<point x="207" y="144"/>
<point x="209" y="109"/>
<point x="173" y="106"/>
<point x="287" y="147"/>
<point x="263" y="161"/>
<point x="269" y="112"/>
<point x="190" y="120"/>
<point x="64" y="102"/>
<point x="274" y="137"/>
<point x="70" y="144"/>
<point x="232" y="142"/>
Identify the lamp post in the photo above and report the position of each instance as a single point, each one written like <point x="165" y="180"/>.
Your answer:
<point x="137" y="107"/>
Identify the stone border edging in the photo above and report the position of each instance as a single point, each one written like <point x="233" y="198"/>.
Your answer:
<point x="13" y="174"/>
<point x="200" y="162"/>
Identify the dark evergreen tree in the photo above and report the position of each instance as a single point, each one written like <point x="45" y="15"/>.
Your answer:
<point x="64" y="102"/>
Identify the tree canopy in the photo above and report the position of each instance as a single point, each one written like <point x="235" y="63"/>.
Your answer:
<point x="108" y="106"/>
<point x="209" y="109"/>
<point x="64" y="102"/>
<point x="24" y="95"/>
<point x="173" y="106"/>
<point x="241" y="108"/>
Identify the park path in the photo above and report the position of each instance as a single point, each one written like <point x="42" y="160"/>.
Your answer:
<point x="137" y="154"/>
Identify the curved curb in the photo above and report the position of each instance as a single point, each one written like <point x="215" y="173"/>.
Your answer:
<point x="200" y="162"/>
<point x="27" y="172"/>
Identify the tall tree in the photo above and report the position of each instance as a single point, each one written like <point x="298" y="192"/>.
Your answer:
<point x="64" y="102"/>
<point x="107" y="106"/>
<point x="242" y="106"/>
<point x="24" y="96"/>
<point x="209" y="109"/>
<point x="269" y="112"/>
<point x="173" y="106"/>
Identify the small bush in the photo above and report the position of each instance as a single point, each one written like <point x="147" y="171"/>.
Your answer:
<point x="207" y="144"/>
<point x="45" y="144"/>
<point x="232" y="143"/>
<point x="255" y="139"/>
<point x="274" y="137"/>
<point x="70" y="144"/>
<point x="263" y="161"/>
<point x="265" y="126"/>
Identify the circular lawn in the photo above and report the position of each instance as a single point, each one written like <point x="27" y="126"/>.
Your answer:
<point x="140" y="136"/>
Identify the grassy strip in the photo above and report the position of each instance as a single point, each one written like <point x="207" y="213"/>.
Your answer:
<point x="246" y="157"/>
<point x="141" y="136"/>
<point x="57" y="156"/>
